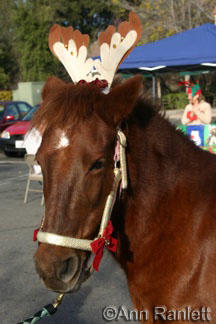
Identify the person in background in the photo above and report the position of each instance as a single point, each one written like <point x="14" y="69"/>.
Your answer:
<point x="198" y="111"/>
<point x="32" y="142"/>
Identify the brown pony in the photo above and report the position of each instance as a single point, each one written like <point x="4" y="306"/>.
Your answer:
<point x="165" y="221"/>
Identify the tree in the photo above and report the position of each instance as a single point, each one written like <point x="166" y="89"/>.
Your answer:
<point x="32" y="20"/>
<point x="6" y="64"/>
<point x="89" y="16"/>
<point x="162" y="18"/>
<point x="25" y="29"/>
<point x="8" y="58"/>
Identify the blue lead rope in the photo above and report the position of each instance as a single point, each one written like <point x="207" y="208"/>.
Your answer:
<point x="45" y="311"/>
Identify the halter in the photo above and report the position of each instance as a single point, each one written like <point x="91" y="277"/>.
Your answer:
<point x="104" y="236"/>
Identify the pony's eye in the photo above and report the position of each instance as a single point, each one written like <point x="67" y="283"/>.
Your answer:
<point x="97" y="165"/>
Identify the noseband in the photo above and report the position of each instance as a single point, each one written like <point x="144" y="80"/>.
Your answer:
<point x="104" y="236"/>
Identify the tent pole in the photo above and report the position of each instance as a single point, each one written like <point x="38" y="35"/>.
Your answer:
<point x="153" y="88"/>
<point x="158" y="88"/>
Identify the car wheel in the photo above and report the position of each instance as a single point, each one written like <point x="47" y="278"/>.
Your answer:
<point x="10" y="154"/>
<point x="13" y="154"/>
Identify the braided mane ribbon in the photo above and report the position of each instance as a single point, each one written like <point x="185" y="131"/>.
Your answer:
<point x="105" y="241"/>
<point x="100" y="83"/>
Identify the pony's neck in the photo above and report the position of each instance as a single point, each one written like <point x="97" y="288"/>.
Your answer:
<point x="156" y="157"/>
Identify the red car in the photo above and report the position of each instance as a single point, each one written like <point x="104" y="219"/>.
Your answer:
<point x="11" y="139"/>
<point x="11" y="112"/>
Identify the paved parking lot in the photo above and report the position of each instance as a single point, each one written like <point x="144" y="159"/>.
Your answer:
<point x="21" y="292"/>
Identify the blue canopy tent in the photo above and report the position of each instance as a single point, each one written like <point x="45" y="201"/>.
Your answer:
<point x="191" y="50"/>
<point x="187" y="50"/>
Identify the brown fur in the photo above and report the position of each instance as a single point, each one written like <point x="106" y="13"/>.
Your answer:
<point x="166" y="222"/>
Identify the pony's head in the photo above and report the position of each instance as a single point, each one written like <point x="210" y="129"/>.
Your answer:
<point x="76" y="156"/>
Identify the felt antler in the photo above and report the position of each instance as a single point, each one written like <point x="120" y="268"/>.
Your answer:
<point x="115" y="46"/>
<point x="70" y="47"/>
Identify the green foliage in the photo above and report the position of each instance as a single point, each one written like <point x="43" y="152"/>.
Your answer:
<point x="33" y="19"/>
<point x="8" y="59"/>
<point x="3" y="79"/>
<point x="5" y="95"/>
<point x="25" y="24"/>
<point x="163" y="18"/>
<point x="8" y="65"/>
<point x="89" y="16"/>
<point x="174" y="101"/>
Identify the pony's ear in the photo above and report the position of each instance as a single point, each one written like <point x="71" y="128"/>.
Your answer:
<point x="122" y="98"/>
<point x="51" y="86"/>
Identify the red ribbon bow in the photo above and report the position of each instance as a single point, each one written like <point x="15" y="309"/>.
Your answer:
<point x="100" y="83"/>
<point x="98" y="245"/>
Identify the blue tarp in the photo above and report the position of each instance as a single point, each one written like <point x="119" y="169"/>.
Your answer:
<point x="191" y="47"/>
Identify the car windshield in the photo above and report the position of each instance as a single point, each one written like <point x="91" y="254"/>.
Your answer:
<point x="30" y="114"/>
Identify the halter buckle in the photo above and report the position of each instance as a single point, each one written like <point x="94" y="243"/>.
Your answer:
<point x="107" y="242"/>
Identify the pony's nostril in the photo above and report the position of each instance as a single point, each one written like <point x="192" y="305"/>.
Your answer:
<point x="65" y="266"/>
<point x="68" y="268"/>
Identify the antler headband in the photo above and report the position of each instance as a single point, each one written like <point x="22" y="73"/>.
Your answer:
<point x="70" y="47"/>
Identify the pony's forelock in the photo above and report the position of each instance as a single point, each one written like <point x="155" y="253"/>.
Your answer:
<point x="69" y="104"/>
<point x="66" y="104"/>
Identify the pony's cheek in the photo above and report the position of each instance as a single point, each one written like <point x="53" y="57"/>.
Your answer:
<point x="93" y="189"/>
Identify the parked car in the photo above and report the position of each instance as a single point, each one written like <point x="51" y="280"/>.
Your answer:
<point x="11" y="112"/>
<point x="11" y="139"/>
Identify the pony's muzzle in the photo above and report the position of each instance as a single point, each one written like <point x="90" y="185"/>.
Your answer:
<point x="59" y="268"/>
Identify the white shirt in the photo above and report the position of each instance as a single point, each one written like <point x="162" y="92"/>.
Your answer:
<point x="32" y="142"/>
<point x="202" y="112"/>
